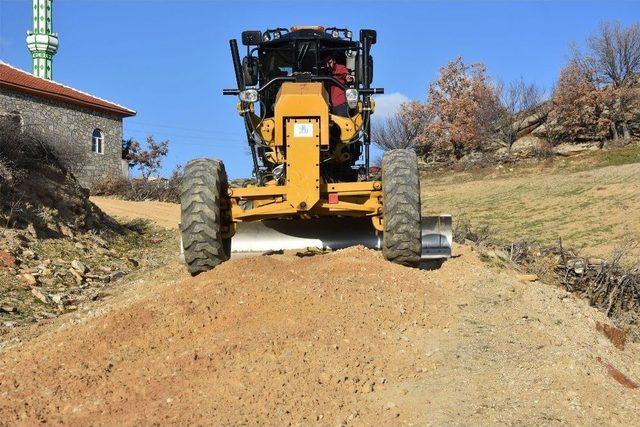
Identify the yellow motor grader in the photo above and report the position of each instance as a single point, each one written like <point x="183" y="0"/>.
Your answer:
<point x="311" y="184"/>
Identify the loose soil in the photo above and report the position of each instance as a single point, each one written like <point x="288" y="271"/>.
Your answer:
<point x="341" y="338"/>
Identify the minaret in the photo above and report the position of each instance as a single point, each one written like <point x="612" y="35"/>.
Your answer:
<point x="42" y="42"/>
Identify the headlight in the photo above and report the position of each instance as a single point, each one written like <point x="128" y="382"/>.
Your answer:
<point x="335" y="34"/>
<point x="352" y="98"/>
<point x="249" y="95"/>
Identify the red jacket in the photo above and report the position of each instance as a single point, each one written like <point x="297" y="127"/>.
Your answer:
<point x="340" y="73"/>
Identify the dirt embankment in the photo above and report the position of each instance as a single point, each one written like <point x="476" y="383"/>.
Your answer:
<point x="343" y="338"/>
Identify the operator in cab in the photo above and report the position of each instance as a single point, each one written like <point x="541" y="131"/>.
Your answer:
<point x="337" y="95"/>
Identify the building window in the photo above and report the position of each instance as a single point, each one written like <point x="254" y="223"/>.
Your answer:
<point x="97" y="142"/>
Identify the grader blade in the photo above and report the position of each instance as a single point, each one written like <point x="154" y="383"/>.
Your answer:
<point x="329" y="233"/>
<point x="437" y="236"/>
<point x="332" y="233"/>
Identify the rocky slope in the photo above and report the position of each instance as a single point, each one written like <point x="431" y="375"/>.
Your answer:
<point x="57" y="249"/>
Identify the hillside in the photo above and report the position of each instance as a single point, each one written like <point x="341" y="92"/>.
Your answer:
<point x="591" y="201"/>
<point x="344" y="338"/>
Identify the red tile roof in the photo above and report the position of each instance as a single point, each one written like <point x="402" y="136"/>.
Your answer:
<point x="22" y="81"/>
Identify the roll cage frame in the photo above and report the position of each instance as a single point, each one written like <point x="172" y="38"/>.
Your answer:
<point x="362" y="84"/>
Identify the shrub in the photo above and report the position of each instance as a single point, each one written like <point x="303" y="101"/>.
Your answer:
<point x="139" y="189"/>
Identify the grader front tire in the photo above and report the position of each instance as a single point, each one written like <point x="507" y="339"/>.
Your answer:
<point x="204" y="187"/>
<point x="401" y="242"/>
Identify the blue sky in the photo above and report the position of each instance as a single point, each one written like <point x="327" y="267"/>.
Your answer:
<point x="169" y="60"/>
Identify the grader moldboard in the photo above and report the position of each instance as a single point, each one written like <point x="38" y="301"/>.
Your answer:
<point x="310" y="187"/>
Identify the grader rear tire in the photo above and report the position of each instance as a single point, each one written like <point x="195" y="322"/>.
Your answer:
<point x="401" y="242"/>
<point x="204" y="188"/>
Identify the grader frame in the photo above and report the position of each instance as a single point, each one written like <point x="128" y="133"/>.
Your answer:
<point x="308" y="189"/>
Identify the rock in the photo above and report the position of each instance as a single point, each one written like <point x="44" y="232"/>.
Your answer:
<point x="117" y="274"/>
<point x="566" y="149"/>
<point x="8" y="309"/>
<point x="527" y="278"/>
<point x="100" y="241"/>
<point x="7" y="260"/>
<point x="389" y="405"/>
<point x="577" y="265"/>
<point x="502" y="153"/>
<point x="57" y="299"/>
<point x="45" y="272"/>
<point x="28" y="279"/>
<point x="28" y="254"/>
<point x="66" y="230"/>
<point x="39" y="295"/>
<point x="76" y="275"/>
<point x="79" y="267"/>
<point x="541" y="131"/>
<point x="31" y="230"/>
<point x="528" y="145"/>
<point x="497" y="253"/>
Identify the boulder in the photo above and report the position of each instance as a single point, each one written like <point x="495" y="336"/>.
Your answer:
<point x="39" y="295"/>
<point x="28" y="279"/>
<point x="566" y="149"/>
<point x="79" y="266"/>
<point x="528" y="146"/>
<point x="540" y="131"/>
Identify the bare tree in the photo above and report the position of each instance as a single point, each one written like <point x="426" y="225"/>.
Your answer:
<point x="404" y="129"/>
<point x="612" y="61"/>
<point x="520" y="108"/>
<point x="614" y="53"/>
<point x="149" y="160"/>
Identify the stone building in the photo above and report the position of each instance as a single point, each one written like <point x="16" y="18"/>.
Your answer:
<point x="84" y="126"/>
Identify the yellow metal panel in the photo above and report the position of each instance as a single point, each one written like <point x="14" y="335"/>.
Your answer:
<point x="253" y="191"/>
<point x="363" y="187"/>
<point x="303" y="161"/>
<point x="302" y="100"/>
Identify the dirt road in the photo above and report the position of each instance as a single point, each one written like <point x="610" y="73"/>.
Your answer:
<point x="166" y="215"/>
<point x="342" y="338"/>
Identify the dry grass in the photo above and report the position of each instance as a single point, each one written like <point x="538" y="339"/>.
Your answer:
<point x="590" y="201"/>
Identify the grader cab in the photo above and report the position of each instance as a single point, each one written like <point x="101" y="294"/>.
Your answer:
<point x="312" y="184"/>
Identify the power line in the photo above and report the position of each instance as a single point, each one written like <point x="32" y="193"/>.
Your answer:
<point x="213" y="137"/>
<point x="198" y="130"/>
